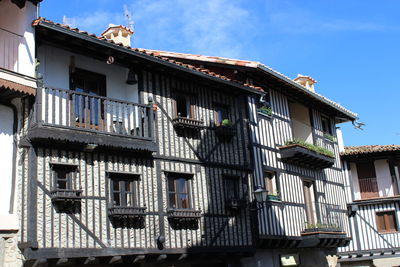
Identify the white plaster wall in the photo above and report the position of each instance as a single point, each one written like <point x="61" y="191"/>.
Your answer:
<point x="384" y="178"/>
<point x="354" y="181"/>
<point x="301" y="122"/>
<point x="54" y="65"/>
<point x="339" y="137"/>
<point x="6" y="157"/>
<point x="17" y="51"/>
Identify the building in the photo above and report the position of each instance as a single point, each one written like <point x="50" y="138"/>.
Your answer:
<point x="372" y="174"/>
<point x="131" y="158"/>
<point x="304" y="219"/>
<point x="17" y="82"/>
<point x="140" y="157"/>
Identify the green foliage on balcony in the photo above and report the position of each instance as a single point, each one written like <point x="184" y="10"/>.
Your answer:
<point x="330" y="137"/>
<point x="317" y="149"/>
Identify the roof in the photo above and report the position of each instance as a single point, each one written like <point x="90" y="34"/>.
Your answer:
<point x="369" y="149"/>
<point x="14" y="88"/>
<point x="148" y="54"/>
<point x="21" y="3"/>
<point x="259" y="66"/>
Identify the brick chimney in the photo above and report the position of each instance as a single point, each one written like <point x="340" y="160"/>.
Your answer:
<point x="118" y="34"/>
<point x="306" y="81"/>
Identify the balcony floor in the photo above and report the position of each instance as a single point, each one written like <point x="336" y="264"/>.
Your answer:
<point x="43" y="133"/>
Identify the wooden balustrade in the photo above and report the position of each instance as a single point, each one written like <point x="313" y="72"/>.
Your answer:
<point x="368" y="187"/>
<point x="81" y="111"/>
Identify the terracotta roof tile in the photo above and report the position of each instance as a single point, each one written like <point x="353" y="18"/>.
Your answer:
<point x="148" y="52"/>
<point x="250" y="64"/>
<point x="369" y="149"/>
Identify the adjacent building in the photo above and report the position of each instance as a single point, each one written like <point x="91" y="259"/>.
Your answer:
<point x="17" y="82"/>
<point x="372" y="181"/>
<point x="295" y="143"/>
<point x="142" y="157"/>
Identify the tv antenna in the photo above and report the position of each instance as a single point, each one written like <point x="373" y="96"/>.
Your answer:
<point x="128" y="18"/>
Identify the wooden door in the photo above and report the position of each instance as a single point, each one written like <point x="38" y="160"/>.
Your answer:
<point x="367" y="180"/>
<point x="309" y="201"/>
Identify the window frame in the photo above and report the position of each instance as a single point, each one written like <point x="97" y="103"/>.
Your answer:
<point x="217" y="107"/>
<point x="311" y="207"/>
<point x="101" y="80"/>
<point x="188" y="185"/>
<point x="274" y="181"/>
<point x="236" y="184"/>
<point x="123" y="179"/>
<point x="189" y="103"/>
<point x="384" y="228"/>
<point x="329" y="125"/>
<point x="70" y="170"/>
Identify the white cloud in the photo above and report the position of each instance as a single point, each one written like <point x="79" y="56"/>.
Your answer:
<point x="210" y="27"/>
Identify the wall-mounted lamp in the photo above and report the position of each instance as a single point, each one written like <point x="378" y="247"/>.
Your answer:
<point x="260" y="194"/>
<point x="131" y="77"/>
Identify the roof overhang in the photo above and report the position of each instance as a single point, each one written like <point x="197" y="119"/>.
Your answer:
<point x="92" y="46"/>
<point x="271" y="79"/>
<point x="21" y="3"/>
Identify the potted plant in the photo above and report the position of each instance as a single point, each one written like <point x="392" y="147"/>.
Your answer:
<point x="226" y="123"/>
<point x="265" y="110"/>
<point x="274" y="196"/>
<point x="225" y="129"/>
<point x="329" y="137"/>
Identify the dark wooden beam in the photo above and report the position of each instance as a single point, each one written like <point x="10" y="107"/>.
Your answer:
<point x="91" y="261"/>
<point x="115" y="260"/>
<point x="139" y="258"/>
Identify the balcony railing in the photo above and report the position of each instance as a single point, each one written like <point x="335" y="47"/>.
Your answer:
<point x="329" y="218"/>
<point x="9" y="45"/>
<point x="85" y="112"/>
<point x="368" y="187"/>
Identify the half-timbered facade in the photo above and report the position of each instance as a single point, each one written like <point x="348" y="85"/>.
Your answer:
<point x="295" y="153"/>
<point x="372" y="182"/>
<point x="17" y="69"/>
<point x="128" y="157"/>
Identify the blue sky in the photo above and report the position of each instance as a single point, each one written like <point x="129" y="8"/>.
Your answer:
<point x="350" y="47"/>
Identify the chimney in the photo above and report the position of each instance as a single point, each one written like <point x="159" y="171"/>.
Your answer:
<point x="118" y="34"/>
<point x="306" y="81"/>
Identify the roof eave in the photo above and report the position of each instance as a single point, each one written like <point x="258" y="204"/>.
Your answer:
<point x="143" y="56"/>
<point x="351" y="116"/>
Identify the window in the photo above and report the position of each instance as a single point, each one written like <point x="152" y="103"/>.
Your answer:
<point x="90" y="83"/>
<point x="64" y="175"/>
<point x="221" y="113"/>
<point x="184" y="107"/>
<point x="386" y="221"/>
<point x="301" y="123"/>
<point x="326" y="125"/>
<point x="367" y="179"/>
<point x="270" y="182"/>
<point x="178" y="191"/>
<point x="231" y="187"/>
<point x="124" y="191"/>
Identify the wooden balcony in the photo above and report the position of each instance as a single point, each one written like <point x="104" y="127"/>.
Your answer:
<point x="78" y="118"/>
<point x="68" y="195"/>
<point x="368" y="188"/>
<point x="187" y="123"/>
<point x="225" y="132"/>
<point x="184" y="214"/>
<point x="127" y="217"/>
<point x="328" y="229"/>
<point x="184" y="218"/>
<point x="300" y="155"/>
<point x="66" y="200"/>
